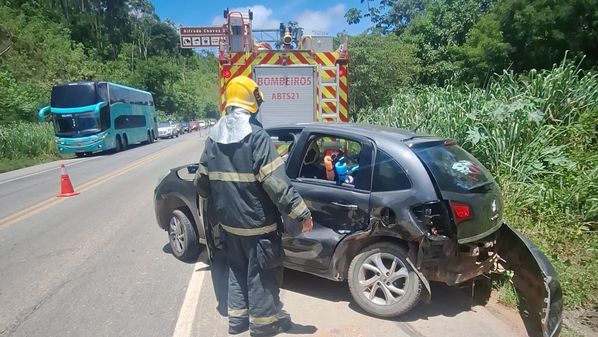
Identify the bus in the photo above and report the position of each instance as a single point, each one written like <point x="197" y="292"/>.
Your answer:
<point x="96" y="116"/>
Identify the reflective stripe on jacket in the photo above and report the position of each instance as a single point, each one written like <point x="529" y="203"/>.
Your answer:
<point x="247" y="185"/>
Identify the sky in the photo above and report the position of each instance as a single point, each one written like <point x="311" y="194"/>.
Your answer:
<point x="315" y="16"/>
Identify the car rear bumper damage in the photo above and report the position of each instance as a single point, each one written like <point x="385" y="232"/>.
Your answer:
<point x="534" y="277"/>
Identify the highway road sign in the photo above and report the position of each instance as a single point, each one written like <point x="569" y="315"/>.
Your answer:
<point x="200" y="37"/>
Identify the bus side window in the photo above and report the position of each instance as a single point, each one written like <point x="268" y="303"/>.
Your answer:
<point x="105" y="117"/>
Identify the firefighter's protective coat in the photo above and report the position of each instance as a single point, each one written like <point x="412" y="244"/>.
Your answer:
<point x="247" y="184"/>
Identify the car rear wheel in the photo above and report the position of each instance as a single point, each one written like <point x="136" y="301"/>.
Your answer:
<point x="382" y="282"/>
<point x="182" y="237"/>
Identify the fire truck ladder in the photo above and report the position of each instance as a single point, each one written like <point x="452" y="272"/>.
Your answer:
<point x="333" y="83"/>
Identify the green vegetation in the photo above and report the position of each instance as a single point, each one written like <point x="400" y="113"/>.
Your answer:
<point x="537" y="134"/>
<point x="469" y="40"/>
<point x="24" y="144"/>
<point x="115" y="40"/>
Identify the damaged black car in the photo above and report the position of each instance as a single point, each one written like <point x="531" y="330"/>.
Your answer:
<point x="392" y="211"/>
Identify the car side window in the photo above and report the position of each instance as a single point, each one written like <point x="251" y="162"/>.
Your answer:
<point x="388" y="174"/>
<point x="283" y="145"/>
<point x="334" y="159"/>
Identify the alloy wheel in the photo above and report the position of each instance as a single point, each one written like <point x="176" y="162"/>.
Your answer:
<point x="177" y="234"/>
<point x="383" y="279"/>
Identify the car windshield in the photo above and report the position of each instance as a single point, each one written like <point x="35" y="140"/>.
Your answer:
<point x="164" y="125"/>
<point x="454" y="169"/>
<point x="74" y="95"/>
<point x="77" y="124"/>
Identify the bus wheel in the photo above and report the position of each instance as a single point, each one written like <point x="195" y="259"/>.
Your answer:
<point x="150" y="135"/>
<point x="119" y="144"/>
<point x="125" y="142"/>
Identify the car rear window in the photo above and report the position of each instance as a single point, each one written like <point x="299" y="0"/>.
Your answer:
<point x="454" y="169"/>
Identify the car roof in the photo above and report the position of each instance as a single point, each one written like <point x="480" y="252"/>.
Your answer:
<point x="375" y="132"/>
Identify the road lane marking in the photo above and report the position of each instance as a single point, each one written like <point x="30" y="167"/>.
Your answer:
<point x="47" y="170"/>
<point x="184" y="323"/>
<point x="43" y="205"/>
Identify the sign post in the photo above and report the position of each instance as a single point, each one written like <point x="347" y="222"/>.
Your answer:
<point x="201" y="37"/>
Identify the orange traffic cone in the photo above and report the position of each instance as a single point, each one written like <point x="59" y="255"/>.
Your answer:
<point x="66" y="188"/>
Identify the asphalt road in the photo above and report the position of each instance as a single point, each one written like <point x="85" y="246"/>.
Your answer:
<point x="97" y="264"/>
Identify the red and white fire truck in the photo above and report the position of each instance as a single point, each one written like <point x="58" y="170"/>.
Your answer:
<point x="302" y="77"/>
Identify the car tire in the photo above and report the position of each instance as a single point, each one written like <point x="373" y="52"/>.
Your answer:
<point x="379" y="289"/>
<point x="182" y="237"/>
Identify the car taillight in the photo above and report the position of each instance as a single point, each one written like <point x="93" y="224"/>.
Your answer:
<point x="461" y="211"/>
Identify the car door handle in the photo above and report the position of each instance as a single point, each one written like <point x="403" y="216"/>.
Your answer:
<point x="345" y="205"/>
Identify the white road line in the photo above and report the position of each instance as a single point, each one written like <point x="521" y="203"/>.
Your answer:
<point x="184" y="324"/>
<point x="57" y="168"/>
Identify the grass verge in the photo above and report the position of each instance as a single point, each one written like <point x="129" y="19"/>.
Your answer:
<point x="7" y="165"/>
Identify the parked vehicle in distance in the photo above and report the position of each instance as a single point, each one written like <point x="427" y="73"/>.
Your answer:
<point x="185" y="127"/>
<point x="202" y="124"/>
<point x="167" y="130"/>
<point x="95" y="116"/>
<point x="392" y="210"/>
<point x="212" y="122"/>
<point x="193" y="125"/>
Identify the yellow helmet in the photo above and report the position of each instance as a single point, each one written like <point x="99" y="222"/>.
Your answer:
<point x="243" y="92"/>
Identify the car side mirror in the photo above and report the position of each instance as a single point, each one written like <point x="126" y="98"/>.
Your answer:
<point x="192" y="169"/>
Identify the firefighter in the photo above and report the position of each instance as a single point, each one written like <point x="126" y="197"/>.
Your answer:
<point x="245" y="181"/>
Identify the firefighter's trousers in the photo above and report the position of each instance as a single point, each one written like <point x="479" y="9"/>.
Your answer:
<point x="255" y="276"/>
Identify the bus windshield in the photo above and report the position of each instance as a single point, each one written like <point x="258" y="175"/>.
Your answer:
<point x="76" y="125"/>
<point x="74" y="95"/>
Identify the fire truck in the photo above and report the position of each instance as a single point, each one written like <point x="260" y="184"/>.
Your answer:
<point x="303" y="78"/>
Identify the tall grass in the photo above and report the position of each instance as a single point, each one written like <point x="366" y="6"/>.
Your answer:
<point x="27" y="140"/>
<point x="538" y="134"/>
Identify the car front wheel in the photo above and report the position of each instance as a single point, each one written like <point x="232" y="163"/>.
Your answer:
<point x="181" y="234"/>
<point x="382" y="282"/>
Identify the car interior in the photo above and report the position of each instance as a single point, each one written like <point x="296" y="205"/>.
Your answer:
<point x="332" y="159"/>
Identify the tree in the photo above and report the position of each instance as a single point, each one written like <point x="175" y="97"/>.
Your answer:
<point x="389" y="15"/>
<point x="56" y="41"/>
<point x="484" y="53"/>
<point x="540" y="31"/>
<point x="444" y="25"/>
<point x="380" y="66"/>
